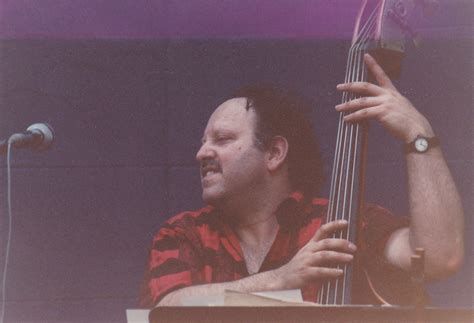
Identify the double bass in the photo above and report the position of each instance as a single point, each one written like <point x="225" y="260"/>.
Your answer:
<point x="381" y="29"/>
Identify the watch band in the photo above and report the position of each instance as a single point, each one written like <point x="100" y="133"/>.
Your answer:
<point x="411" y="146"/>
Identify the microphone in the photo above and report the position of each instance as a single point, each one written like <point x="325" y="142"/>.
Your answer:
<point x="38" y="136"/>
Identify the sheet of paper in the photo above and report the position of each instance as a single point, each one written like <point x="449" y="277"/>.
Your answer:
<point x="137" y="316"/>
<point x="293" y="295"/>
<point x="290" y="295"/>
<point x="208" y="300"/>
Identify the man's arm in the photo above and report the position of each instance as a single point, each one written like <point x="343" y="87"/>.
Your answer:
<point x="437" y="217"/>
<point x="311" y="263"/>
<point x="265" y="281"/>
<point x="437" y="223"/>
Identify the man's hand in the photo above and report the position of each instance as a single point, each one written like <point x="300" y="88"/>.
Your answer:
<point x="318" y="259"/>
<point x="385" y="104"/>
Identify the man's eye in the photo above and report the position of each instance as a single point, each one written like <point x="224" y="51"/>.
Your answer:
<point x="223" y="139"/>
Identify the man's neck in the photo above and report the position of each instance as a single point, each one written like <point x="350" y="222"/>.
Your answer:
<point x="255" y="220"/>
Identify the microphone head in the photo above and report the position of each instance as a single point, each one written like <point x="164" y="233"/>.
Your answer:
<point x="46" y="132"/>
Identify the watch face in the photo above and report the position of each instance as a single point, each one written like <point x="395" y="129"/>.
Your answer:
<point x="421" y="144"/>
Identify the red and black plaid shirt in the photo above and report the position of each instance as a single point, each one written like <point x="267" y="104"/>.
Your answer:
<point x="199" y="247"/>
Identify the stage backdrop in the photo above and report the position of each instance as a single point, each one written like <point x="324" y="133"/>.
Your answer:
<point x="128" y="106"/>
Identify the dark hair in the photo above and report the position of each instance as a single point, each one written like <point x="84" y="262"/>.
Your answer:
<point x="283" y="113"/>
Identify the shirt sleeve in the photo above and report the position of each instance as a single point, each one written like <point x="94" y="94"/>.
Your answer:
<point x="375" y="228"/>
<point x="171" y="261"/>
<point x="394" y="284"/>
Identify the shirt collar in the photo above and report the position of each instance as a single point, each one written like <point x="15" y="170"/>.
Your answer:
<point x="290" y="212"/>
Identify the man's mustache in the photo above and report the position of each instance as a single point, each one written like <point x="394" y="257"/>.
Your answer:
<point x="210" y="164"/>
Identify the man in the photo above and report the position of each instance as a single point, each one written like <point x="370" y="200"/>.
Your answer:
<point x="263" y="230"/>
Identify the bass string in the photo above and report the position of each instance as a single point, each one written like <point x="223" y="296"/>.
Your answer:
<point x="357" y="74"/>
<point x="344" y="145"/>
<point x="350" y="176"/>
<point x="355" y="66"/>
<point x="351" y="144"/>
<point x="362" y="38"/>
<point x="352" y="130"/>
<point x="340" y="154"/>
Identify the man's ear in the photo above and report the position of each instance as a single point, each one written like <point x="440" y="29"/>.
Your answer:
<point x="276" y="153"/>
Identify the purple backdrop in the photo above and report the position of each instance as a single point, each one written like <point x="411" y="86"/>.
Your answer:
<point x="138" y="19"/>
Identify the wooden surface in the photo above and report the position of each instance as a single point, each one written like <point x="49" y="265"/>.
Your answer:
<point x="309" y="314"/>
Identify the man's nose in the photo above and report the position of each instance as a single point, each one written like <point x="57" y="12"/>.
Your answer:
<point x="205" y="152"/>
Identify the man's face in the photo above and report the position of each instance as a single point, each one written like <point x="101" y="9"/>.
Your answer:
<point x="231" y="164"/>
